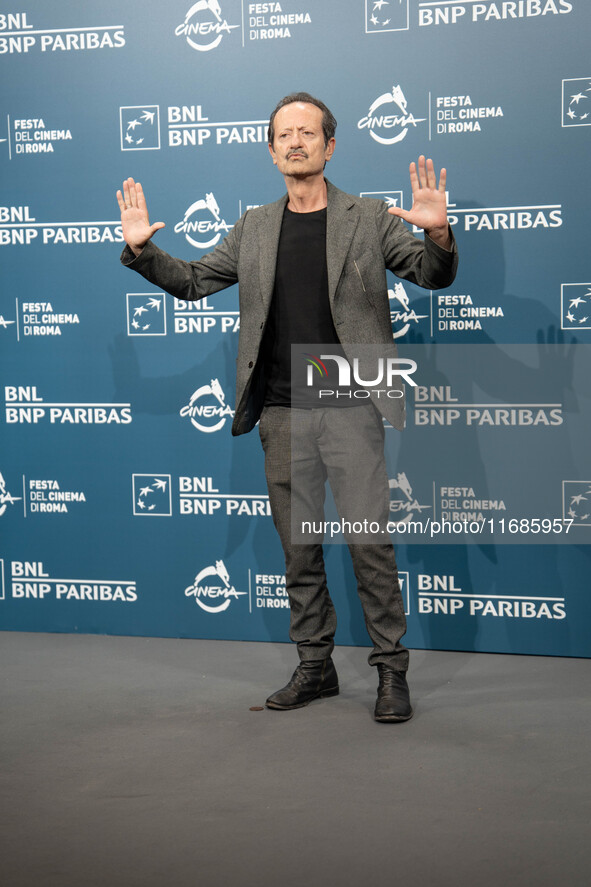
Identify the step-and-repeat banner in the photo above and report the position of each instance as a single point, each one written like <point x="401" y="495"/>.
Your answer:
<point x="126" y="507"/>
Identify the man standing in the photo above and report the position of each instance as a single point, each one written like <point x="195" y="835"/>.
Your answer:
<point x="312" y="269"/>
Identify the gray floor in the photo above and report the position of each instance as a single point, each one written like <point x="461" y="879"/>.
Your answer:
<point x="136" y="761"/>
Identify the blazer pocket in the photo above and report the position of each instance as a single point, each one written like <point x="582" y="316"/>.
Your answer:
<point x="357" y="277"/>
<point x="360" y="275"/>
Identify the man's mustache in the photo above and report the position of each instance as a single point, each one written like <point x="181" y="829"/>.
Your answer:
<point x="297" y="151"/>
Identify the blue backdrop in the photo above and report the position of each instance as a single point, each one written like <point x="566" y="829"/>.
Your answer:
<point x="126" y="507"/>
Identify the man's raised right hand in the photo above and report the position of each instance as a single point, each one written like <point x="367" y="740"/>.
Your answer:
<point x="135" y="222"/>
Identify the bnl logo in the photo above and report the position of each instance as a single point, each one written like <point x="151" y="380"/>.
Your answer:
<point x="152" y="495"/>
<point x="404" y="582"/>
<point x="576" y="306"/>
<point x="576" y="502"/>
<point x="139" y="127"/>
<point x="576" y="102"/>
<point x="386" y="15"/>
<point x="146" y="314"/>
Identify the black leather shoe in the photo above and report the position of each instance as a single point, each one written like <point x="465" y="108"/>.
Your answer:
<point x="393" y="702"/>
<point x="309" y="681"/>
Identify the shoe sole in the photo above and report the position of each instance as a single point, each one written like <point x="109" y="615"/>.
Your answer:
<point x="334" y="691"/>
<point x="393" y="719"/>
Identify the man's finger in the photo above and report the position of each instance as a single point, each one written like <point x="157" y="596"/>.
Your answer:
<point x="414" y="179"/>
<point x="422" y="173"/>
<point x="442" y="180"/>
<point x="396" y="211"/>
<point x="431" y="177"/>
<point x="132" y="193"/>
<point x="120" y="201"/>
<point x="141" y="200"/>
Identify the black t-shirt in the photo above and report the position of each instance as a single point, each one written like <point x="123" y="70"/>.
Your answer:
<point x="300" y="309"/>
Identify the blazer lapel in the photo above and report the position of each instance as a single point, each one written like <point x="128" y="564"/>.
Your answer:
<point x="341" y="222"/>
<point x="270" y="229"/>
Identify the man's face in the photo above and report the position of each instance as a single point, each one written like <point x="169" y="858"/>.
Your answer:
<point x="299" y="148"/>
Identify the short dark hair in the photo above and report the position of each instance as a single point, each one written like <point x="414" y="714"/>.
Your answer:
<point x="329" y="123"/>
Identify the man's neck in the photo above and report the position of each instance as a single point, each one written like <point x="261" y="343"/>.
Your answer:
<point x="306" y="195"/>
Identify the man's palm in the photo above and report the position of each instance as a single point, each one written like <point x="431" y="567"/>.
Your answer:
<point x="429" y="206"/>
<point x="135" y="222"/>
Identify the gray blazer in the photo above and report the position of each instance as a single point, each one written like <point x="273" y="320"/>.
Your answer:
<point x="362" y="240"/>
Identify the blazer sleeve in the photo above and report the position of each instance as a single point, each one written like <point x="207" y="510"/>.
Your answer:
<point x="189" y="280"/>
<point x="423" y="262"/>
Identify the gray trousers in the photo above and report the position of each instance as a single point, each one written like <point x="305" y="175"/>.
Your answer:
<point x="304" y="448"/>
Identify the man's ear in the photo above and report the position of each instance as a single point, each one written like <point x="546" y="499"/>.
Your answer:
<point x="272" y="153"/>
